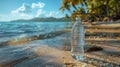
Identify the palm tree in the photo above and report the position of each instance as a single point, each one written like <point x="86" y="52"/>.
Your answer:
<point x="115" y="6"/>
<point x="107" y="7"/>
<point x="91" y="7"/>
<point x="96" y="8"/>
<point x="67" y="4"/>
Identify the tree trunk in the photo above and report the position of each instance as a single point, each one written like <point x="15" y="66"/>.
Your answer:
<point x="107" y="7"/>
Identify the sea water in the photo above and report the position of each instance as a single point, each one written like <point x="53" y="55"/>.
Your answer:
<point x="11" y="30"/>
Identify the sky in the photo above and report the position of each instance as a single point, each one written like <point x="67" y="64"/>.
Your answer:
<point x="27" y="9"/>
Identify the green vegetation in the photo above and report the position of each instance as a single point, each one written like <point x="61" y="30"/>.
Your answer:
<point x="93" y="9"/>
<point x="49" y="19"/>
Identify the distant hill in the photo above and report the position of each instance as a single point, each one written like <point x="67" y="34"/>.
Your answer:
<point x="49" y="19"/>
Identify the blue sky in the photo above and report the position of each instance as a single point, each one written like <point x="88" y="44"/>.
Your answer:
<point x="27" y="9"/>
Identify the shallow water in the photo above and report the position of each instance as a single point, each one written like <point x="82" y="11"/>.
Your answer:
<point x="9" y="30"/>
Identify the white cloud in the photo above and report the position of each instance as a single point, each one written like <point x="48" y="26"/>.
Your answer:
<point x="41" y="13"/>
<point x="23" y="12"/>
<point x="27" y="11"/>
<point x="38" y="5"/>
<point x="25" y="8"/>
<point x="52" y="14"/>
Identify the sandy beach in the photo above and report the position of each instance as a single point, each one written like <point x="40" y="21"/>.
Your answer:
<point x="37" y="51"/>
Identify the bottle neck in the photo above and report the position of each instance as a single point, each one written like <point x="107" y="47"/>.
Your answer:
<point x="78" y="20"/>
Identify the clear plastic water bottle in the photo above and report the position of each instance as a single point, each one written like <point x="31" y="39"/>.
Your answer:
<point x="77" y="42"/>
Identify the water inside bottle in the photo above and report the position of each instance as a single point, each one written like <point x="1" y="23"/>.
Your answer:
<point x="77" y="42"/>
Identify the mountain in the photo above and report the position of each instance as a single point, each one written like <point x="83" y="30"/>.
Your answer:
<point x="49" y="19"/>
